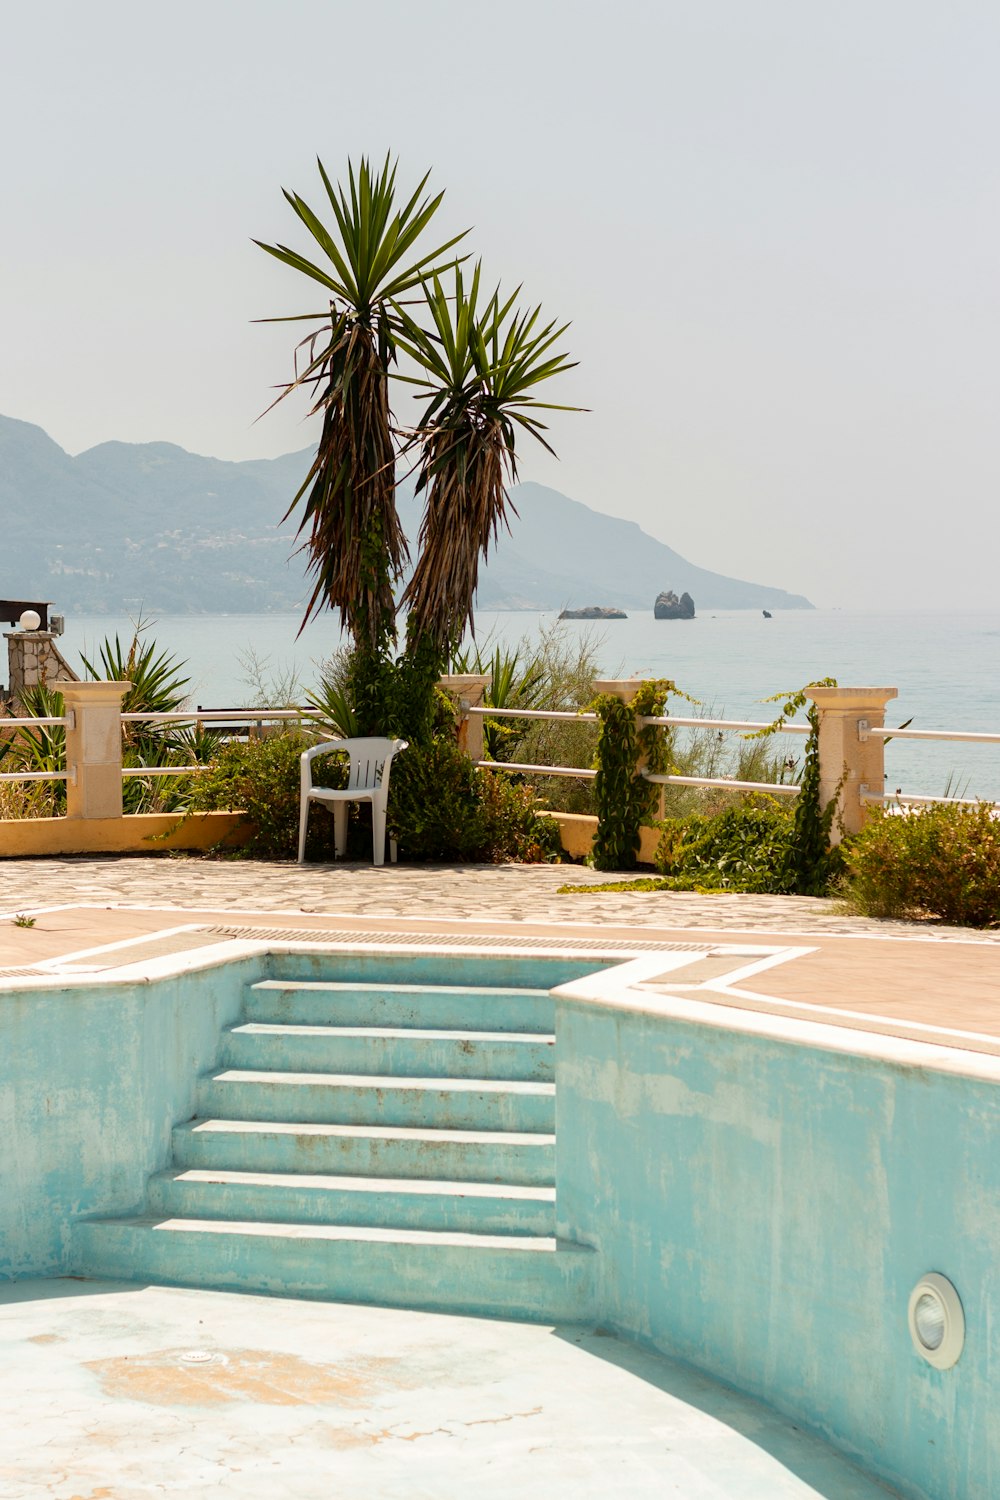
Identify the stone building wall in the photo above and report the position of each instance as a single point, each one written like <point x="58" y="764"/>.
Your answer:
<point x="33" y="658"/>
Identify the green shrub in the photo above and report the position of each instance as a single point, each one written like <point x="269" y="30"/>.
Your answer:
<point x="940" y="861"/>
<point x="442" y="808"/>
<point x="260" y="778"/>
<point x="435" y="811"/>
<point x="748" y="848"/>
<point x="515" y="828"/>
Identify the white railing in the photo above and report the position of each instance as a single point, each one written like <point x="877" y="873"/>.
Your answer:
<point x="222" y="715"/>
<point x="775" y="788"/>
<point x="581" y="773"/>
<point x="854" y="708"/>
<point x="669" y="722"/>
<point x="912" y="799"/>
<point x="865" y="731"/>
<point x="36" y="776"/>
<point x="967" y="735"/>
<point x="902" y="799"/>
<point x="251" y="716"/>
<point x="514" y="765"/>
<point x="533" y="713"/>
<point x="192" y="768"/>
<point x="66" y="721"/>
<point x="726" y="783"/>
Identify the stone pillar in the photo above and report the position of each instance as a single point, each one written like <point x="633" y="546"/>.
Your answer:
<point x="33" y="659"/>
<point x="468" y="688"/>
<point x="624" y="688"/>
<point x="94" y="748"/>
<point x="849" y="757"/>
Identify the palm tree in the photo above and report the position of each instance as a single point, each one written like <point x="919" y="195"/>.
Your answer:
<point x="480" y="370"/>
<point x="478" y="367"/>
<point x="349" y="525"/>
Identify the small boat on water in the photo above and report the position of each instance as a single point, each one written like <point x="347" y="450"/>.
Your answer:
<point x="766" y="613"/>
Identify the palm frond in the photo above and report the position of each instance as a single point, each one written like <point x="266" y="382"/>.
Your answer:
<point x="482" y="363"/>
<point x="348" y="524"/>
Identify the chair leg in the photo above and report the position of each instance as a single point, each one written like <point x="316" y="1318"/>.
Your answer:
<point x="303" y="818"/>
<point x="378" y="833"/>
<point x="340" y="829"/>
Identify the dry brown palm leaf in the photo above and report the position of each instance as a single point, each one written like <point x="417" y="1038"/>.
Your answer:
<point x="467" y="503"/>
<point x="353" y="536"/>
<point x="481" y="371"/>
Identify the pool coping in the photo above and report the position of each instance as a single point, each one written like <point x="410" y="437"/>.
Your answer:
<point x="629" y="988"/>
<point x="638" y="983"/>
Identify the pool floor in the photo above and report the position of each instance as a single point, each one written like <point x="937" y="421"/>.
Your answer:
<point x="114" y="1392"/>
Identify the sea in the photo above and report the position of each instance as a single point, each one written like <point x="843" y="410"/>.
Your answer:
<point x="944" y="666"/>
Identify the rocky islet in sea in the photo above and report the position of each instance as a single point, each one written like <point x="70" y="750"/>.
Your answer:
<point x="594" y="612"/>
<point x="669" y="607"/>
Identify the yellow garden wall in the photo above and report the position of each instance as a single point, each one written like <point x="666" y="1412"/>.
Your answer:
<point x="577" y="830"/>
<point x="154" y="833"/>
<point x="142" y="833"/>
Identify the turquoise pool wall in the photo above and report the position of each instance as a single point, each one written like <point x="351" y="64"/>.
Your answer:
<point x="763" y="1210"/>
<point x="92" y="1079"/>
<point x="458" y="968"/>
<point x="93" y="1076"/>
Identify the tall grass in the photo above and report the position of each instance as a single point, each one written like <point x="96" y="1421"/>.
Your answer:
<point x="718" y="753"/>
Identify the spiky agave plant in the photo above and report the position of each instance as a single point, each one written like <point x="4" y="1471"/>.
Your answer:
<point x="481" y="366"/>
<point x="157" y="685"/>
<point x="517" y="679"/>
<point x="349" y="526"/>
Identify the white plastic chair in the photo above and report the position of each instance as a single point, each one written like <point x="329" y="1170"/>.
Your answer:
<point x="367" y="781"/>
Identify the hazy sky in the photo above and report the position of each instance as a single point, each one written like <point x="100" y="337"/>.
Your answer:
<point x="773" y="223"/>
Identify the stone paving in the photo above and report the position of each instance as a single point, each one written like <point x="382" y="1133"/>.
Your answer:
<point x="498" y="893"/>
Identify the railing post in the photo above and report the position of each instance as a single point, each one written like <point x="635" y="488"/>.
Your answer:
<point x="469" y="689"/>
<point x="849" y="757"/>
<point x="94" y="748"/>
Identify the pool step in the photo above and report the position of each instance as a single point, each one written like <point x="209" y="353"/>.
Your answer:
<point x="501" y="1276"/>
<point x="423" y="1007"/>
<point x="382" y="1142"/>
<point x="407" y="1052"/>
<point x="334" y="1099"/>
<point x="301" y="1198"/>
<point x="522" y="1159"/>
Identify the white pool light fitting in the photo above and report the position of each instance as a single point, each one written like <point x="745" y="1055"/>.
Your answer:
<point x="937" y="1322"/>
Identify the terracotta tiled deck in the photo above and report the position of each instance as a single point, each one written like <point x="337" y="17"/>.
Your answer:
<point x="887" y="976"/>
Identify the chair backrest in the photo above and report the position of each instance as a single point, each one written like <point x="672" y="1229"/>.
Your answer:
<point x="368" y="758"/>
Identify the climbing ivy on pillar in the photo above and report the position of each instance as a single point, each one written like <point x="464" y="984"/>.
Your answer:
<point x="624" y="798"/>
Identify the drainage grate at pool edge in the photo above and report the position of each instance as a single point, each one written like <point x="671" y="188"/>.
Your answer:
<point x="478" y="942"/>
<point x="199" y="937"/>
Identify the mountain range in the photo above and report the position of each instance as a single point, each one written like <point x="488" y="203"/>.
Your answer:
<point x="130" y="524"/>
